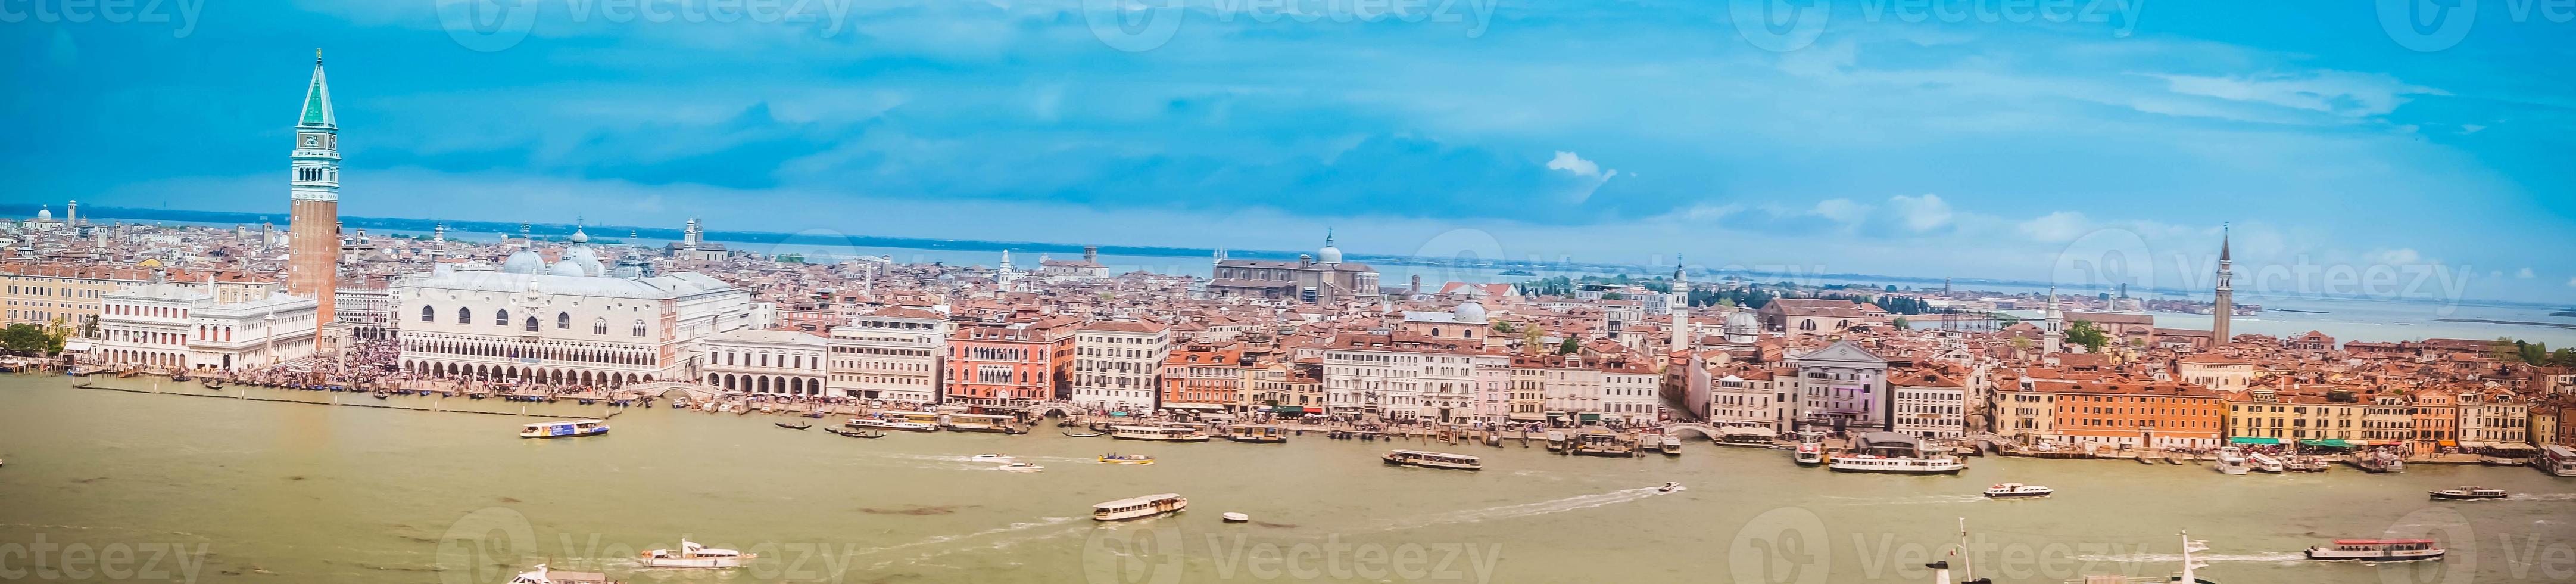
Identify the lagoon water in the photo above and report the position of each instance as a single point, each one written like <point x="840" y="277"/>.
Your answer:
<point x="294" y="493"/>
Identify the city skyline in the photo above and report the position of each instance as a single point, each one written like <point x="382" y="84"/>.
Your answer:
<point x="2147" y="152"/>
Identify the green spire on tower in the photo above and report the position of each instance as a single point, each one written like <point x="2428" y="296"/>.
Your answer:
<point x="317" y="99"/>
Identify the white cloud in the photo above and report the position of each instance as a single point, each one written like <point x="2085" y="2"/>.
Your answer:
<point x="2335" y="92"/>
<point x="2058" y="226"/>
<point x="1922" y="213"/>
<point x="2571" y="282"/>
<point x="2525" y="274"/>
<point x="1591" y="173"/>
<point x="1842" y="210"/>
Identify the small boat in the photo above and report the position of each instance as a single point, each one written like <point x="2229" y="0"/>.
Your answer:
<point x="1668" y="487"/>
<point x="1139" y="507"/>
<point x="564" y="428"/>
<point x="2377" y="550"/>
<point x="989" y="458"/>
<point x="816" y="414"/>
<point x="545" y="576"/>
<point x="1440" y="460"/>
<point x="2231" y="460"/>
<point x="890" y="425"/>
<point x="796" y="426"/>
<point x="1810" y="454"/>
<point x="1555" y="441"/>
<point x="1236" y="517"/>
<point x="1086" y="434"/>
<point x="2266" y="463"/>
<point x="856" y="433"/>
<point x="692" y="555"/>
<point x="2469" y="494"/>
<point x="2018" y="491"/>
<point x="1671" y="445"/>
<point x="1116" y="458"/>
<point x="1022" y="467"/>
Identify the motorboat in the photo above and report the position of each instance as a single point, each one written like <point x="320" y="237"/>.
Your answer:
<point x="546" y="576"/>
<point x="1671" y="445"/>
<point x="883" y="424"/>
<point x="1139" y="507"/>
<point x="692" y="555"/>
<point x="2231" y="460"/>
<point x="1809" y="454"/>
<point x="1897" y="464"/>
<point x="564" y="428"/>
<point x="1116" y="458"/>
<point x="2377" y="550"/>
<point x="2265" y="463"/>
<point x="1085" y="434"/>
<point x="1668" y="487"/>
<point x="1236" y="517"/>
<point x="1556" y="441"/>
<point x="1434" y="460"/>
<point x="1022" y="467"/>
<point x="2017" y="491"/>
<point x="2469" y="494"/>
<point x="857" y="433"/>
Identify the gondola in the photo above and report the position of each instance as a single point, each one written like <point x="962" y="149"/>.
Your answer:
<point x="798" y="426"/>
<point x="380" y="395"/>
<point x="181" y="377"/>
<point x="855" y="433"/>
<point x="1086" y="434"/>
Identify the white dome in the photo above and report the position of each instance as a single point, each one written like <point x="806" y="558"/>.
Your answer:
<point x="524" y="262"/>
<point x="1742" y="323"/>
<point x="46" y="214"/>
<point x="579" y="237"/>
<point x="1328" y="255"/>
<point x="582" y="255"/>
<point x="1469" y="312"/>
<point x="567" y="268"/>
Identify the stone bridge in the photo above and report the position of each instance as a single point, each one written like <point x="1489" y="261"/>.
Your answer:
<point x="1679" y="429"/>
<point x="665" y="389"/>
<point x="1053" y="409"/>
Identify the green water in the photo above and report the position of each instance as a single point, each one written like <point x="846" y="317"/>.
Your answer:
<point x="258" y="491"/>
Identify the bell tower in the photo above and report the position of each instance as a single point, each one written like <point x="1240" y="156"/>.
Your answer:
<point x="313" y="191"/>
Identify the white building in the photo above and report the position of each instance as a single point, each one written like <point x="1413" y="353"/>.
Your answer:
<point x="1746" y="401"/>
<point x="1119" y="364"/>
<point x="1929" y="405"/>
<point x="764" y="361"/>
<point x="1630" y="392"/>
<point x="176" y="326"/>
<point x="891" y="354"/>
<point x="1842" y="387"/>
<point x="1434" y="380"/>
<point x="567" y="329"/>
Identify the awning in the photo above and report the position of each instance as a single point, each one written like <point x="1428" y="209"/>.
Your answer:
<point x="2253" y="440"/>
<point x="1313" y="410"/>
<point x="2473" y="444"/>
<point x="2449" y="443"/>
<point x="1288" y="409"/>
<point x="2329" y="443"/>
<point x="1591" y="417"/>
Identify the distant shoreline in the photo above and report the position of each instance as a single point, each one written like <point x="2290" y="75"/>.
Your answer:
<point x="2512" y="322"/>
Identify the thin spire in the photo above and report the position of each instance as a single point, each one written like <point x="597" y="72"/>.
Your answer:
<point x="317" y="99"/>
<point x="1328" y="237"/>
<point x="2223" y="236"/>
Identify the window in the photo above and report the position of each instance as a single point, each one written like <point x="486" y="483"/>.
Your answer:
<point x="428" y="314"/>
<point x="464" y="316"/>
<point x="501" y="317"/>
<point x="639" y="327"/>
<point x="532" y="324"/>
<point x="599" y="326"/>
<point x="562" y="321"/>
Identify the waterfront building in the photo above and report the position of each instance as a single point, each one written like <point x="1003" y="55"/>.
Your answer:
<point x="2437" y="419"/>
<point x="62" y="294"/>
<point x="2023" y="412"/>
<point x="1118" y="364"/>
<point x="1204" y="378"/>
<point x="2492" y="417"/>
<point x="1928" y="404"/>
<point x="313" y="227"/>
<point x="1572" y="391"/>
<point x="520" y="324"/>
<point x="1321" y="278"/>
<point x="1399" y="376"/>
<point x="773" y="362"/>
<point x="1746" y="398"/>
<point x="2390" y="419"/>
<point x="1631" y="392"/>
<point x="1008" y="364"/>
<point x="172" y="326"/>
<point x="1842" y="387"/>
<point x="890" y="354"/>
<point x="2266" y="412"/>
<point x="1527" y="387"/>
<point x="2151" y="414"/>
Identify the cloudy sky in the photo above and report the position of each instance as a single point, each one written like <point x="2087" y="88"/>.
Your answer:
<point x="2078" y="141"/>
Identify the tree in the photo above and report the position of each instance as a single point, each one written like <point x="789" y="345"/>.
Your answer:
<point x="1568" y="347"/>
<point x="27" y="339"/>
<point x="2090" y="335"/>
<point x="2505" y="349"/>
<point x="1613" y="296"/>
<point x="1530" y="339"/>
<point x="2022" y="343"/>
<point x="2562" y="358"/>
<point x="1901" y="324"/>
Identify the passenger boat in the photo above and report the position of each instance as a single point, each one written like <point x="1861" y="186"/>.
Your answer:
<point x="2556" y="459"/>
<point x="1748" y="439"/>
<point x="1116" y="458"/>
<point x="545" y="576"/>
<point x="2265" y="463"/>
<point x="1555" y="441"/>
<point x="1603" y="444"/>
<point x="2018" y="491"/>
<point x="2310" y="464"/>
<point x="1809" y="454"/>
<point x="1671" y="445"/>
<point x="796" y="426"/>
<point x="692" y="555"/>
<point x="1140" y="507"/>
<point x="2503" y="461"/>
<point x="2377" y="461"/>
<point x="883" y="424"/>
<point x="979" y="423"/>
<point x="1022" y="467"/>
<point x="2469" y="494"/>
<point x="2231" y="460"/>
<point x="1434" y="460"/>
<point x="563" y="428"/>
<point x="1086" y="434"/>
<point x="2377" y="550"/>
<point x="1257" y="434"/>
<point x="1896" y="464"/>
<point x="1158" y="433"/>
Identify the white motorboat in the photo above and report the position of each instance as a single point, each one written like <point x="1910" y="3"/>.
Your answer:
<point x="1140" y="507"/>
<point x="2265" y="463"/>
<point x="1022" y="467"/>
<point x="1810" y="454"/>
<point x="1434" y="460"/>
<point x="2231" y="460"/>
<point x="2469" y="494"/>
<point x="545" y="576"/>
<point x="1668" y="487"/>
<point x="692" y="555"/>
<point x="1236" y="517"/>
<point x="563" y="428"/>
<point x="2377" y="550"/>
<point x="2018" y="491"/>
<point x="884" y="424"/>
<point x="1896" y="464"/>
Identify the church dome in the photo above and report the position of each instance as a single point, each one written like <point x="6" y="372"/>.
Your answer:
<point x="45" y="214"/>
<point x="1328" y="255"/>
<point x="567" y="268"/>
<point x="588" y="259"/>
<point x="579" y="237"/>
<point x="524" y="262"/>
<point x="1469" y="312"/>
<point x="1742" y="323"/>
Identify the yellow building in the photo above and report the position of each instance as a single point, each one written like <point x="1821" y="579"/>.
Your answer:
<point x="2300" y="413"/>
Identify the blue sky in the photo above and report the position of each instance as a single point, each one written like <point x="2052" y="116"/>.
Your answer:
<point x="1949" y="138"/>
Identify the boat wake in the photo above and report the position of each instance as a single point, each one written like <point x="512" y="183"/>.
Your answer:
<point x="990" y="539"/>
<point x="1012" y="528"/>
<point x="1914" y="500"/>
<point x="2142" y="558"/>
<point x="2541" y="497"/>
<point x="1534" y="509"/>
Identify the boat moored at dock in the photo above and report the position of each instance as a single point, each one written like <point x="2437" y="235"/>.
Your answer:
<point x="1139" y="507"/>
<point x="2377" y="550"/>
<point x="2556" y="459"/>
<point x="1670" y="445"/>
<point x="1809" y="454"/>
<point x="2231" y="460"/>
<point x="2377" y="461"/>
<point x="564" y="428"/>
<point x="1158" y="433"/>
<point x="1257" y="434"/>
<point x="2266" y="463"/>
<point x="1434" y="460"/>
<point x="692" y="555"/>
